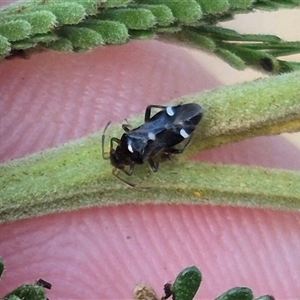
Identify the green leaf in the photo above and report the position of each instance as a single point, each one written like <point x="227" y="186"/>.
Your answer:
<point x="112" y="32"/>
<point x="240" y="4"/>
<point x="232" y="59"/>
<point x="187" y="12"/>
<point x="67" y="13"/>
<point x="201" y="41"/>
<point x="265" y="297"/>
<point x="162" y="13"/>
<point x="64" y="12"/>
<point x="115" y="3"/>
<point x="4" y="46"/>
<point x="214" y="7"/>
<point x="23" y="45"/>
<point x="289" y="66"/>
<point x="90" y="6"/>
<point x="62" y="44"/>
<point x="15" y="30"/>
<point x="27" y="292"/>
<point x="237" y="293"/>
<point x="12" y="297"/>
<point x="219" y="32"/>
<point x="82" y="38"/>
<point x="255" y="58"/>
<point x="161" y="18"/>
<point x="133" y="18"/>
<point x="44" y="38"/>
<point x="41" y="21"/>
<point x="187" y="283"/>
<point x="168" y="30"/>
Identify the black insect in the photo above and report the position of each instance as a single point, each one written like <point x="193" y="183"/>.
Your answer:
<point x="155" y="139"/>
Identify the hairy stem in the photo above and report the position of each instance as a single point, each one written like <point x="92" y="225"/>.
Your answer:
<point x="75" y="175"/>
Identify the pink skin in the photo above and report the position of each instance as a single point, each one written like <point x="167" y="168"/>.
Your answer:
<point x="102" y="253"/>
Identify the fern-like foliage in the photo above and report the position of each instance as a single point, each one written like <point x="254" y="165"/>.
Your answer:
<point x="80" y="25"/>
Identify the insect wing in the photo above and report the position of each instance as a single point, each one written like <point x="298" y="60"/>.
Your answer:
<point x="187" y="117"/>
<point x="150" y="130"/>
<point x="168" y="139"/>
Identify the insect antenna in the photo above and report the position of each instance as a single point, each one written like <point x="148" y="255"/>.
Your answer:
<point x="104" y="154"/>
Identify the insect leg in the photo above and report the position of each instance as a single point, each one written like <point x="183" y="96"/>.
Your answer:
<point x="112" y="140"/>
<point x="125" y="127"/>
<point x="153" y="165"/>
<point x="104" y="154"/>
<point x="116" y="173"/>
<point x="176" y="150"/>
<point x="130" y="171"/>
<point x="148" y="110"/>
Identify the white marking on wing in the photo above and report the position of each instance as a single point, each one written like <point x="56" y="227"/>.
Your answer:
<point x="183" y="133"/>
<point x="151" y="136"/>
<point x="129" y="146"/>
<point x="170" y="111"/>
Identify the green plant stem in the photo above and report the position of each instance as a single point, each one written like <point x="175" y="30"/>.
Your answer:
<point x="75" y="175"/>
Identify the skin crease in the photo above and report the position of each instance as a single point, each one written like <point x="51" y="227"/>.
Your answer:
<point x="102" y="253"/>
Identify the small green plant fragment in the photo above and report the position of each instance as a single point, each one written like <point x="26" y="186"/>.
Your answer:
<point x="187" y="283"/>
<point x="1" y="266"/>
<point x="265" y="297"/>
<point x="28" y="292"/>
<point x="237" y="293"/>
<point x="12" y="297"/>
<point x="240" y="4"/>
